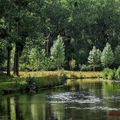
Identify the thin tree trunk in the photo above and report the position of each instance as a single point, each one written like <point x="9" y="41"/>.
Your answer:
<point x="8" y="60"/>
<point x="16" y="61"/>
<point x="18" y="52"/>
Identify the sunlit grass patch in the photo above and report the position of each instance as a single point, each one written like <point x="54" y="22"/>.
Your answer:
<point x="69" y="74"/>
<point x="73" y="82"/>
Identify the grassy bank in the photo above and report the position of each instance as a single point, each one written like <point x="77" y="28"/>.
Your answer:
<point x="41" y="79"/>
<point x="69" y="74"/>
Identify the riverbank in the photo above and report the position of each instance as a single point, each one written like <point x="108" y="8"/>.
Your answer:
<point x="40" y="80"/>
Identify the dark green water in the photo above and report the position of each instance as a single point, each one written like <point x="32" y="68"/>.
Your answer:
<point x="88" y="101"/>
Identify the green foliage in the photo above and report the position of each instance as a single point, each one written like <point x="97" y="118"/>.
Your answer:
<point x="72" y="64"/>
<point x="33" y="59"/>
<point x="94" y="56"/>
<point x="58" y="52"/>
<point x="117" y="74"/>
<point x="107" y="57"/>
<point x="84" y="67"/>
<point x="117" y="55"/>
<point x="109" y="73"/>
<point x="81" y="23"/>
<point x="36" y="60"/>
<point x="2" y="55"/>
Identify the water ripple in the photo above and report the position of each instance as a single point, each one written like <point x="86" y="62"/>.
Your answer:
<point x="73" y="97"/>
<point x="95" y="108"/>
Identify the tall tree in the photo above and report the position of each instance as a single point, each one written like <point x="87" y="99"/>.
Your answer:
<point x="27" y="26"/>
<point x="58" y="52"/>
<point x="107" y="57"/>
<point x="94" y="56"/>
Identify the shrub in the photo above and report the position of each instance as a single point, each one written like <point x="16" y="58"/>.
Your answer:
<point x="109" y="73"/>
<point x="117" y="74"/>
<point x="90" y="67"/>
<point x="31" y="85"/>
<point x="85" y="67"/>
<point x="72" y="64"/>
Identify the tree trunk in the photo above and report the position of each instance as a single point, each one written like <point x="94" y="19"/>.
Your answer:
<point x="16" y="61"/>
<point x="18" y="52"/>
<point x="8" y="60"/>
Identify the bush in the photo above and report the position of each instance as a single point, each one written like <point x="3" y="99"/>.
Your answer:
<point x="105" y="73"/>
<point x="109" y="73"/>
<point x="85" y="67"/>
<point x="90" y="67"/>
<point x="31" y="85"/>
<point x="117" y="74"/>
<point x="72" y="64"/>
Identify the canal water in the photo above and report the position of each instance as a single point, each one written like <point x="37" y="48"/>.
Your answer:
<point x="88" y="100"/>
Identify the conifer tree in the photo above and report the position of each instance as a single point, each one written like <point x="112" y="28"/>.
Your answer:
<point x="107" y="57"/>
<point x="58" y="52"/>
<point x="94" y="56"/>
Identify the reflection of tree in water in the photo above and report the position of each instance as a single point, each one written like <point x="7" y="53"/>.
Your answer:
<point x="49" y="112"/>
<point x="8" y="108"/>
<point x="17" y="109"/>
<point x="55" y="111"/>
<point x="3" y="110"/>
<point x="111" y="92"/>
<point x="13" y="108"/>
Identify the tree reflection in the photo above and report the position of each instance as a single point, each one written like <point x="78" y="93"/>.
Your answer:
<point x="8" y="108"/>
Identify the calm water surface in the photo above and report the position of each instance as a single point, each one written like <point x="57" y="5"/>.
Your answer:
<point x="86" y="101"/>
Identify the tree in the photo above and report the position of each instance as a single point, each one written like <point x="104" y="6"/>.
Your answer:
<point x="58" y="52"/>
<point x="117" y="55"/>
<point x="82" y="23"/>
<point x="107" y="57"/>
<point x="2" y="55"/>
<point x="94" y="57"/>
<point x="26" y="27"/>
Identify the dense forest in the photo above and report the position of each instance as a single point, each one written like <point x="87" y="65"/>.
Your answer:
<point x="53" y="34"/>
